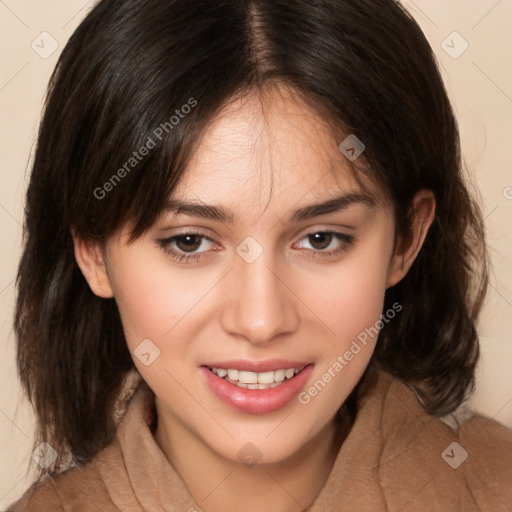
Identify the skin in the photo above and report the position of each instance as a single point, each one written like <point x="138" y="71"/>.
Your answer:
<point x="263" y="158"/>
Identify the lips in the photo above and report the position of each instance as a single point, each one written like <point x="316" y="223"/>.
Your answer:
<point x="256" y="386"/>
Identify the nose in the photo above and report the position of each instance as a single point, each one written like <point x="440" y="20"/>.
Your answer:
<point x="259" y="305"/>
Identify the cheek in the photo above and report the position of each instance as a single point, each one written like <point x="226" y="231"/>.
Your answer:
<point x="156" y="304"/>
<point x="349" y="298"/>
<point x="351" y="304"/>
<point x="153" y="299"/>
<point x="351" y="308"/>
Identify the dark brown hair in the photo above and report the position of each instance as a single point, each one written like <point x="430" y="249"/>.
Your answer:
<point x="364" y="65"/>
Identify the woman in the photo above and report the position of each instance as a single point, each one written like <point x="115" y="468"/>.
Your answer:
<point x="252" y="269"/>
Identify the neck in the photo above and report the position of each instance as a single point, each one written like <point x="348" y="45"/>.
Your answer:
<point x="218" y="484"/>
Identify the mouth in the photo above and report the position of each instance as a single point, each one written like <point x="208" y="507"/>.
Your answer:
<point x="257" y="387"/>
<point x="256" y="380"/>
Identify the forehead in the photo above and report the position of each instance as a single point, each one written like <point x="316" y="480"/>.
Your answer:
<point x="263" y="149"/>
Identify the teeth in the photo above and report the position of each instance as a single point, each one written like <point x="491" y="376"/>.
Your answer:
<point x="233" y="374"/>
<point x="265" y="377"/>
<point x="247" y="377"/>
<point x="279" y="375"/>
<point x="255" y="380"/>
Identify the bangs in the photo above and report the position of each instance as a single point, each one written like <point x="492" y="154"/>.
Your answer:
<point x="138" y="95"/>
<point x="139" y="110"/>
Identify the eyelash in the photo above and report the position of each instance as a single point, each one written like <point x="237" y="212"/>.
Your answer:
<point x="183" y="257"/>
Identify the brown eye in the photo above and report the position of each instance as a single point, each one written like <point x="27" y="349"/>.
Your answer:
<point x="188" y="247"/>
<point x="188" y="243"/>
<point x="320" y="241"/>
<point x="325" y="243"/>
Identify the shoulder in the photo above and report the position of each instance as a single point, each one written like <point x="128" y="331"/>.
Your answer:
<point x="79" y="489"/>
<point x="89" y="486"/>
<point x="488" y="446"/>
<point x="42" y="496"/>
<point x="470" y="465"/>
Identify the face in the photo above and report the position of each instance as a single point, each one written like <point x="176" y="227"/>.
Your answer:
<point x="246" y="303"/>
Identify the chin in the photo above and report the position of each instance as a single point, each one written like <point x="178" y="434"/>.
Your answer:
<point x="266" y="446"/>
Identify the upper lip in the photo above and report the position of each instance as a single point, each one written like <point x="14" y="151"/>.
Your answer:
<point x="257" y="366"/>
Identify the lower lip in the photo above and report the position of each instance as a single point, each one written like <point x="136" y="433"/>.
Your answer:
<point x="257" y="401"/>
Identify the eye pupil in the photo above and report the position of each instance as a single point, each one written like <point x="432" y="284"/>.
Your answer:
<point x="188" y="243"/>
<point x="320" y="240"/>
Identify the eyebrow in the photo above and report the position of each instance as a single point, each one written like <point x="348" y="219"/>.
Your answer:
<point x="333" y="205"/>
<point x="211" y="212"/>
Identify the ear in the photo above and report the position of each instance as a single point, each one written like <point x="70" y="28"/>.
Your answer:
<point x="91" y="260"/>
<point x="422" y="212"/>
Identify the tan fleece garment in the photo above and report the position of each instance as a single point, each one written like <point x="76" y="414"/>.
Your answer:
<point x="391" y="461"/>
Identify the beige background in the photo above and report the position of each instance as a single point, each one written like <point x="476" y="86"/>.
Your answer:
<point x="479" y="81"/>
